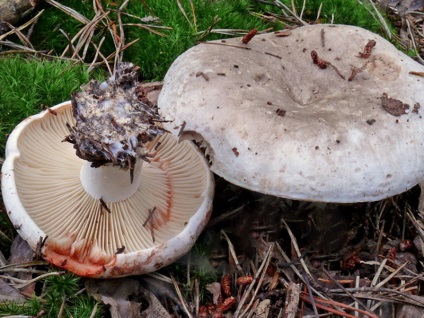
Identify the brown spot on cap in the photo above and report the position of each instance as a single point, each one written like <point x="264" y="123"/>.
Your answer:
<point x="393" y="106"/>
<point x="280" y="112"/>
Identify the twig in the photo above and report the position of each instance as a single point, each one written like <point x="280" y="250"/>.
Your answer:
<point x="292" y="300"/>
<point x="94" y="311"/>
<point x="104" y="206"/>
<point x="150" y="220"/>
<point x="341" y="287"/>
<point x="260" y="273"/>
<point x="320" y="302"/>
<point x="293" y="13"/>
<point x="232" y="251"/>
<point x="318" y="13"/>
<point x="62" y="307"/>
<point x="149" y="28"/>
<point x="225" y="215"/>
<point x="231" y="45"/>
<point x="96" y="54"/>
<point x="20" y="35"/>
<point x="413" y="40"/>
<point x="75" y="14"/>
<point x="121" y="43"/>
<point x="184" y="13"/>
<point x="382" y="21"/>
<point x="367" y="293"/>
<point x="303" y="9"/>
<point x="356" y="70"/>
<point x="97" y="18"/>
<point x="21" y="283"/>
<point x="180" y="296"/>
<point x="311" y="295"/>
<point x="296" y="248"/>
<point x="23" y="26"/>
<point x="193" y="12"/>
<point x="105" y="61"/>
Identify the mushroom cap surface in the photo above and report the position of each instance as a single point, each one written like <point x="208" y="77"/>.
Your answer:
<point x="44" y="198"/>
<point x="275" y="122"/>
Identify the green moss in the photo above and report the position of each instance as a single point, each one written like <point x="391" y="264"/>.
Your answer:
<point x="28" y="86"/>
<point x="58" y="291"/>
<point x="152" y="53"/>
<point x="350" y="12"/>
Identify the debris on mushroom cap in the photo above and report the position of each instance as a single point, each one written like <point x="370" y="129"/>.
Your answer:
<point x="151" y="227"/>
<point x="335" y="139"/>
<point x="112" y="124"/>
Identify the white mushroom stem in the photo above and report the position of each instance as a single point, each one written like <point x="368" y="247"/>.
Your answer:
<point x="110" y="183"/>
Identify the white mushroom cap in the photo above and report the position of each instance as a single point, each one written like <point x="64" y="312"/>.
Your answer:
<point x="276" y="123"/>
<point x="47" y="193"/>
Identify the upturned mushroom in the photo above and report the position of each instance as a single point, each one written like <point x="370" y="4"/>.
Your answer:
<point x="322" y="113"/>
<point x="130" y="201"/>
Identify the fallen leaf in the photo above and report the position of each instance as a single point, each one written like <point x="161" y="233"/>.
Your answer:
<point x="8" y="293"/>
<point x="262" y="311"/>
<point x="124" y="296"/>
<point x="20" y="252"/>
<point x="215" y="289"/>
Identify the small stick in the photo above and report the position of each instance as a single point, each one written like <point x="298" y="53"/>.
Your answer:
<point x="152" y="230"/>
<point x="335" y="69"/>
<point x="356" y="70"/>
<point x="103" y="205"/>
<point x="417" y="73"/>
<point x="203" y="75"/>
<point x="236" y="46"/>
<point x="131" y="163"/>
<point x="292" y="300"/>
<point x="339" y="285"/>
<point x="150" y="221"/>
<point x="182" y="128"/>
<point x="274" y="55"/>
<point x="157" y="145"/>
<point x="232" y="251"/>
<point x="150" y="216"/>
<point x="39" y="246"/>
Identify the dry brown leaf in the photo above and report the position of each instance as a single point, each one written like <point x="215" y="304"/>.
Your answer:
<point x="262" y="311"/>
<point x="215" y="289"/>
<point x="407" y="310"/>
<point x="123" y="295"/>
<point x="20" y="252"/>
<point x="8" y="293"/>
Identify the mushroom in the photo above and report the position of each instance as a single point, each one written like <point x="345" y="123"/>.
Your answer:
<point x="321" y="113"/>
<point x="134" y="207"/>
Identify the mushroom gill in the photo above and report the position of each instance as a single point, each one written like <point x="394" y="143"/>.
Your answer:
<point x="48" y="178"/>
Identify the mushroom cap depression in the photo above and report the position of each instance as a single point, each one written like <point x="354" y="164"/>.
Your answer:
<point x="277" y="116"/>
<point x="127" y="234"/>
